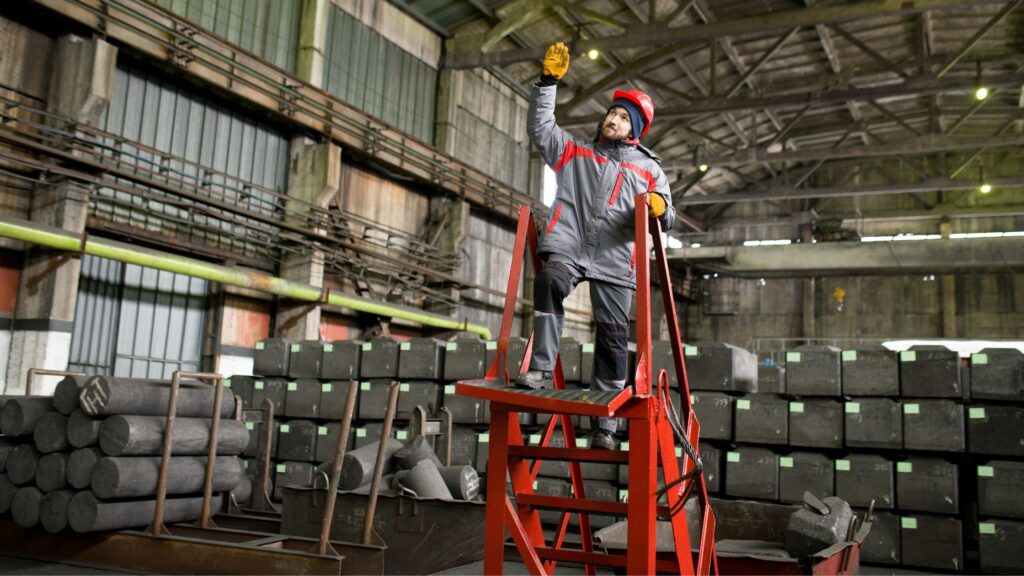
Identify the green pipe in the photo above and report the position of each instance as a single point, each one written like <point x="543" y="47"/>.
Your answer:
<point x="60" y="240"/>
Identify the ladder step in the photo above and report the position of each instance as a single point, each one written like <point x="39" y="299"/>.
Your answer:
<point x="570" y="454"/>
<point x="598" y="559"/>
<point x="602" y="507"/>
<point x="574" y="401"/>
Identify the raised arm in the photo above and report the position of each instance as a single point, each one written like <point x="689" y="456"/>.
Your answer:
<point x="541" y="127"/>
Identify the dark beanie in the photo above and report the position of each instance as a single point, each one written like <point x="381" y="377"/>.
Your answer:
<point x="635" y="117"/>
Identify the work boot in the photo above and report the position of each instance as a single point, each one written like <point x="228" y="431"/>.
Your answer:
<point x="535" y="380"/>
<point x="602" y="439"/>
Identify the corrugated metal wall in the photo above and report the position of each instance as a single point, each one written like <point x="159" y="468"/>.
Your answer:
<point x="149" y="110"/>
<point x="136" y="322"/>
<point x="374" y="74"/>
<point x="267" y="28"/>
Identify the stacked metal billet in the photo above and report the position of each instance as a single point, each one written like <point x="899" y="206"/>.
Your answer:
<point x="89" y="456"/>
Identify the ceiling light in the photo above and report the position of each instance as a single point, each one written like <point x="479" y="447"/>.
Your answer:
<point x="985" y="188"/>
<point x="703" y="167"/>
<point x="593" y="53"/>
<point x="981" y="93"/>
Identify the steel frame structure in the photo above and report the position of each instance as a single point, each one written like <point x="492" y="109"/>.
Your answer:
<point x="651" y="441"/>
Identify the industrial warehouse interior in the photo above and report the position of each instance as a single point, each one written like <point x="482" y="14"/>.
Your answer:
<point x="512" y="286"/>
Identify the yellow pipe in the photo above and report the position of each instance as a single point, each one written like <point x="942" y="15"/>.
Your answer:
<point x="60" y="240"/>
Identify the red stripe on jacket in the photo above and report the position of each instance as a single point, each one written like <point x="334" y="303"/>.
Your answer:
<point x="651" y="180"/>
<point x="573" y="151"/>
<point x="554" y="218"/>
<point x="615" y="190"/>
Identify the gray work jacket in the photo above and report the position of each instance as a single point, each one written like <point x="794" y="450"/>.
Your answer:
<point x="591" y="219"/>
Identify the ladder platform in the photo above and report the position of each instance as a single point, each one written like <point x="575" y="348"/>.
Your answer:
<point x="570" y="454"/>
<point x="575" y="401"/>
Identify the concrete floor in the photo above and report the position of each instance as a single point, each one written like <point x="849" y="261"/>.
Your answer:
<point x="13" y="565"/>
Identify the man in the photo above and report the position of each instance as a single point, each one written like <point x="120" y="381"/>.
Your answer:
<point x="590" y="234"/>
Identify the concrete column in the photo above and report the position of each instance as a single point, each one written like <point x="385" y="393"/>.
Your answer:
<point x="447" y="229"/>
<point x="314" y="178"/>
<point x="809" y="320"/>
<point x="81" y="83"/>
<point x="948" y="291"/>
<point x="449" y="96"/>
<point x="309" y="65"/>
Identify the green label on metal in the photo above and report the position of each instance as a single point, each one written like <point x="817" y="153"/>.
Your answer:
<point x="785" y="462"/>
<point x="693" y="399"/>
<point x="535" y="438"/>
<point x="986" y="471"/>
<point x="979" y="358"/>
<point x="976" y="413"/>
<point x="285" y="429"/>
<point x="843" y="465"/>
<point x="227" y="383"/>
<point x="328" y="347"/>
<point x="796" y="407"/>
<point x="908" y="356"/>
<point x="849" y="355"/>
<point x="587" y="348"/>
<point x="679" y="452"/>
<point x="258" y="385"/>
<point x="535" y="484"/>
<point x="364" y="386"/>
<point x="449" y="389"/>
<point x="733" y="457"/>
<point x="259" y="345"/>
<point x="623" y="495"/>
<point x="908" y="523"/>
<point x="581" y="442"/>
<point x="483" y="438"/>
<point x="853" y="407"/>
<point x="321" y="430"/>
<point x="250" y="425"/>
<point x="293" y="386"/>
<point x="792" y="356"/>
<point x="296" y="347"/>
<point x="743" y="404"/>
<point x="987" y="528"/>
<point x="326" y="388"/>
<point x="367" y="346"/>
<point x="360" y="432"/>
<point x="403" y="387"/>
<point x="905" y="467"/>
<point x="912" y="408"/>
<point x="405" y="346"/>
<point x="492" y="345"/>
<point x="690" y="351"/>
<point x="624" y="446"/>
<point x="282" y="468"/>
<point x="451" y="347"/>
<point x="401" y="434"/>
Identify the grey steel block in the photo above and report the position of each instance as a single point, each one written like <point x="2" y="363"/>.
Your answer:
<point x="373" y="398"/>
<point x="721" y="367"/>
<point x="882" y="546"/>
<point x="816" y="423"/>
<point x="327" y="441"/>
<point x="752" y="473"/>
<point x="861" y="478"/>
<point x="810" y="531"/>
<point x="298" y="474"/>
<point x="714" y="410"/>
<point x="870" y="371"/>
<point x="421" y="359"/>
<point x="144" y="436"/>
<point x="19" y="415"/>
<point x="305" y="359"/>
<point x="516" y="353"/>
<point x="933" y="425"/>
<point x="302" y="399"/>
<point x="5" y="448"/>
<point x="53" y="510"/>
<point x="416" y="450"/>
<point x="587" y="364"/>
<point x="462" y="481"/>
<point x="464" y="446"/>
<point x="52" y="472"/>
<point x="569" y="352"/>
<point x="711" y="462"/>
<point x="805" y="471"/>
<point x="135" y="477"/>
<point x="928" y="485"/>
<point x="425" y="480"/>
<point x="65" y="395"/>
<point x="242" y="387"/>
<point x="661" y="359"/>
<point x="771" y="371"/>
<point x="999" y="545"/>
<point x="273" y="389"/>
<point x="553" y="468"/>
<point x="483" y="447"/>
<point x="994" y="429"/>
<point x="25" y="506"/>
<point x="51" y="433"/>
<point x="999" y="488"/>
<point x="21" y="464"/>
<point x="997" y="374"/>
<point x="761" y="419"/>
<point x="88" y="514"/>
<point x="603" y="491"/>
<point x="271" y="358"/>
<point x="83" y="430"/>
<point x="873" y="423"/>
<point x="379" y="359"/>
<point x="465" y="359"/>
<point x="333" y="396"/>
<point x="548" y="486"/>
<point x="80" y="466"/>
<point x="7" y="491"/>
<point x="106" y="396"/>
<point x="358" y="465"/>
<point x="254" y="423"/>
<point x="370" y="432"/>
<point x="465" y="409"/>
<point x="342" y="360"/>
<point x="297" y="441"/>
<point x="930" y="372"/>
<point x="813" y="371"/>
<point x="932" y="542"/>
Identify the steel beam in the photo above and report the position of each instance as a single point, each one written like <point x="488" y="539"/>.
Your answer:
<point x="688" y="35"/>
<point x="779" y="193"/>
<point x="864" y="258"/>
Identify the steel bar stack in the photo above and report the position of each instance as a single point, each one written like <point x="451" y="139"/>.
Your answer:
<point x="88" y="457"/>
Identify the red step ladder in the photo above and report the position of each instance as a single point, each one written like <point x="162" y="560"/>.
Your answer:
<point x="651" y="443"/>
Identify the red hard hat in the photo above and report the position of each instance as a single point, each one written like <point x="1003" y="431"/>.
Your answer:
<point x="642" y="101"/>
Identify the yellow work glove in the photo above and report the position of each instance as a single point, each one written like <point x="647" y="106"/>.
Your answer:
<point x="657" y="205"/>
<point x="556" y="60"/>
